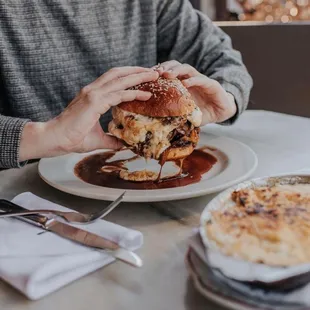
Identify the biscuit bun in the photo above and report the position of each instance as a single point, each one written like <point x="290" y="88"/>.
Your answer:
<point x="169" y="98"/>
<point x="165" y="128"/>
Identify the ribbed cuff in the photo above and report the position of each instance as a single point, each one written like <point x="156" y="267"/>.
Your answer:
<point x="235" y="92"/>
<point x="10" y="135"/>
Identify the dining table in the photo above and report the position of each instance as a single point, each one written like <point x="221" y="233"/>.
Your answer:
<point x="281" y="144"/>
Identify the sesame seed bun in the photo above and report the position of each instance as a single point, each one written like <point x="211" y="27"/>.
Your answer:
<point x="169" y="98"/>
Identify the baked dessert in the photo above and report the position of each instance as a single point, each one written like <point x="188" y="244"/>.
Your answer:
<point x="269" y="225"/>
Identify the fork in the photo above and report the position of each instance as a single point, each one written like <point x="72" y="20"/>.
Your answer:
<point x="70" y="217"/>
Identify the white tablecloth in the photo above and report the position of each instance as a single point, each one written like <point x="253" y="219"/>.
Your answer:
<point x="280" y="141"/>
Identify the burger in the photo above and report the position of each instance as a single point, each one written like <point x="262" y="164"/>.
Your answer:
<point x="165" y="127"/>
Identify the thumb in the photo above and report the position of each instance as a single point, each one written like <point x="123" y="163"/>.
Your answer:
<point x="111" y="142"/>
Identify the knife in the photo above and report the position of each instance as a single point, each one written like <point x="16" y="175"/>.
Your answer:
<point x="76" y="234"/>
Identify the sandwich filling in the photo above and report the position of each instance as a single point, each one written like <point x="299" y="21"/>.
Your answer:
<point x="151" y="136"/>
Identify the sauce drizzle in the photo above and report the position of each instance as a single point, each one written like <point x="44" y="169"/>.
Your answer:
<point x="192" y="169"/>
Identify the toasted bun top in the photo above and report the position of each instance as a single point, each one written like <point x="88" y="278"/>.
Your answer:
<point x="170" y="98"/>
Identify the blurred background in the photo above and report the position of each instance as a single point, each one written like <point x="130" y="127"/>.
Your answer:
<point x="284" y="11"/>
<point x="274" y="39"/>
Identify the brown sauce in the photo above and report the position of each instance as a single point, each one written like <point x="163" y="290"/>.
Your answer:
<point x="193" y="167"/>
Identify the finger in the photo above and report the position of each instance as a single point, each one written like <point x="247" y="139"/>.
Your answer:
<point x="111" y="142"/>
<point x="113" y="99"/>
<point x="116" y="73"/>
<point x="183" y="70"/>
<point x="167" y="65"/>
<point x="129" y="95"/>
<point x="130" y="81"/>
<point x="200" y="80"/>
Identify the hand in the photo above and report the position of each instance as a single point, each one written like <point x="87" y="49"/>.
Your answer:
<point x="214" y="102"/>
<point x="77" y="128"/>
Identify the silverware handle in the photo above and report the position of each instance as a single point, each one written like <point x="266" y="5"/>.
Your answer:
<point x="26" y="212"/>
<point x="127" y="257"/>
<point x="37" y="220"/>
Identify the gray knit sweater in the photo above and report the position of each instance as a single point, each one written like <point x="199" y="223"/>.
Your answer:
<point x="50" y="49"/>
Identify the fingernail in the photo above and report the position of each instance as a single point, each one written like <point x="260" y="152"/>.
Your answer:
<point x="156" y="67"/>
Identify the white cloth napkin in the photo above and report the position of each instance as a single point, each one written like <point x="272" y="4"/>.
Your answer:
<point x="38" y="264"/>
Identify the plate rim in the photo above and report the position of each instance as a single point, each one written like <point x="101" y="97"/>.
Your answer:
<point x="211" y="295"/>
<point x="221" y="299"/>
<point x="156" y="198"/>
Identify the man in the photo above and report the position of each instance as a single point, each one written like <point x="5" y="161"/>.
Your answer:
<point x="63" y="64"/>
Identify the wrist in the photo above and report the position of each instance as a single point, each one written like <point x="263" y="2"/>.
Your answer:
<point x="37" y="141"/>
<point x="232" y="111"/>
<point x="232" y="105"/>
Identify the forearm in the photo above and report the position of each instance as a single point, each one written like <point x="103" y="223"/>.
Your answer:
<point x="190" y="37"/>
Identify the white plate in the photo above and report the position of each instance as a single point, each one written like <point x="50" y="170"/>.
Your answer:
<point x="236" y="163"/>
<point x="239" y="269"/>
<point x="210" y="286"/>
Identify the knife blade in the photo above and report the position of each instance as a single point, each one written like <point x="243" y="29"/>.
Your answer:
<point x="94" y="241"/>
<point x="77" y="235"/>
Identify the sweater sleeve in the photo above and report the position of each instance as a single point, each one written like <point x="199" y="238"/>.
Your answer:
<point x="189" y="36"/>
<point x="10" y="134"/>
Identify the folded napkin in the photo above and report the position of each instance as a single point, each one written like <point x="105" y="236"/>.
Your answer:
<point x="38" y="264"/>
<point x="295" y="298"/>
